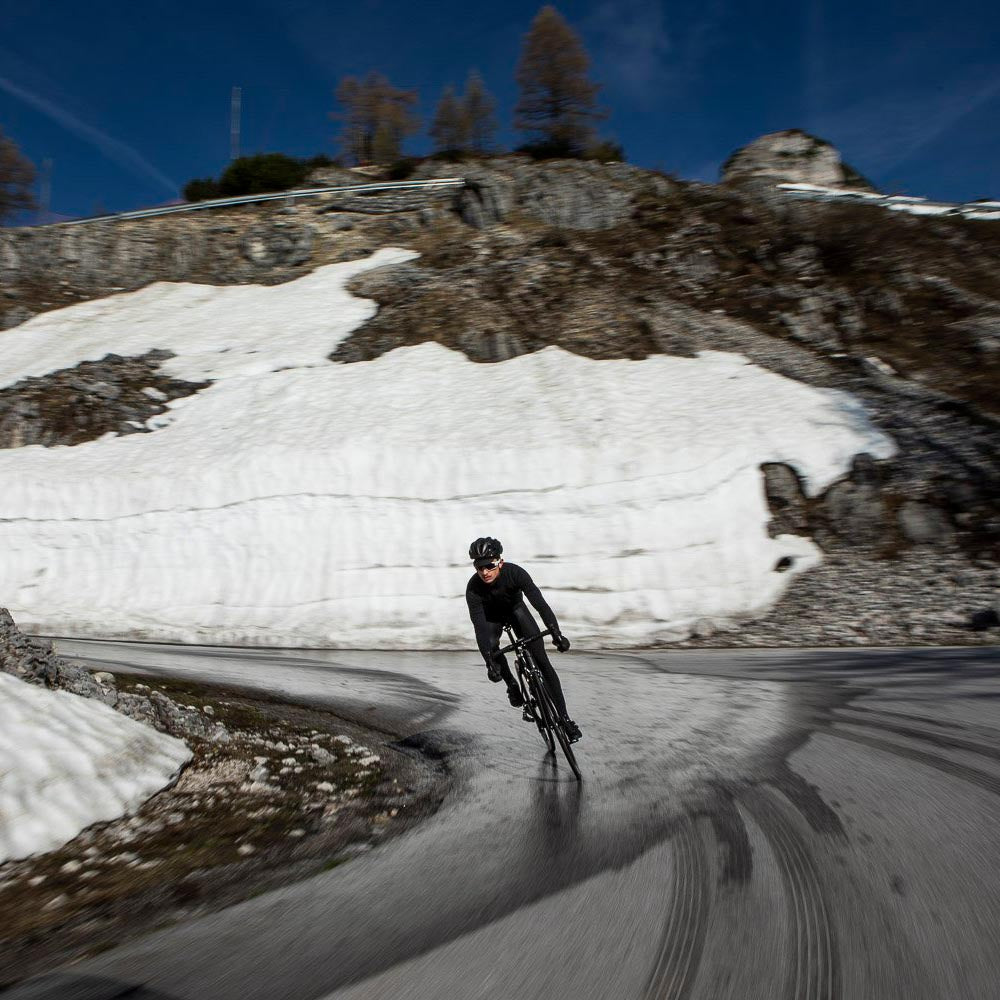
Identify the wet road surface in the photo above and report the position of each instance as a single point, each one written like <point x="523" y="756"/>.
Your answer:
<point x="793" y="824"/>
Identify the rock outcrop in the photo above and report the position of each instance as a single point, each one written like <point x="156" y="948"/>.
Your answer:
<point x="791" y="156"/>
<point x="568" y="194"/>
<point x="35" y="661"/>
<point x="54" y="266"/>
<point x="113" y="395"/>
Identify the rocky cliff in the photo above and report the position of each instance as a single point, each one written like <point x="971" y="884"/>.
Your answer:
<point x="610" y="261"/>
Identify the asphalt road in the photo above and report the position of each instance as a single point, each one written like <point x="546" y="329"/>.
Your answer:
<point x="790" y="825"/>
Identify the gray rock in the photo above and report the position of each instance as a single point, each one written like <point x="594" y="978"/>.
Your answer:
<point x="569" y="194"/>
<point x="105" y="390"/>
<point x="923" y="523"/>
<point x="79" y="681"/>
<point x="791" y="156"/>
<point x="786" y="499"/>
<point x="856" y="514"/>
<point x="338" y="222"/>
<point x="322" y="756"/>
<point x="34" y="661"/>
<point x="138" y="707"/>
<point x="810" y="328"/>
<point x="278" y="245"/>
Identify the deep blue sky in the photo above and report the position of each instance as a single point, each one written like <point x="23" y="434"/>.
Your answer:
<point x="132" y="100"/>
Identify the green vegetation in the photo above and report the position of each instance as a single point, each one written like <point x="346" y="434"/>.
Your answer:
<point x="256" y="174"/>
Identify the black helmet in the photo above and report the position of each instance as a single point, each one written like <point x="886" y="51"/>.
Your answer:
<point x="485" y="549"/>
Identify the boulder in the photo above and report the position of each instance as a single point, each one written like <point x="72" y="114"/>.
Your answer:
<point x="923" y="523"/>
<point x="785" y="497"/>
<point x="856" y="514"/>
<point x="790" y="156"/>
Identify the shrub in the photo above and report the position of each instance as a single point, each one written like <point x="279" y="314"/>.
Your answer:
<point x="261" y="173"/>
<point x="554" y="149"/>
<point x="201" y="189"/>
<point x="449" y="156"/>
<point x="402" y="169"/>
<point x="322" y="160"/>
<point x="606" y="151"/>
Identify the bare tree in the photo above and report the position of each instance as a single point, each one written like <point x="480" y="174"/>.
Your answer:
<point x="17" y="174"/>
<point x="377" y="118"/>
<point x="478" y="111"/>
<point x="558" y="104"/>
<point x="449" y="127"/>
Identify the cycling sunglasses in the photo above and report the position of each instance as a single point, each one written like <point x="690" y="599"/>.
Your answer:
<point x="489" y="565"/>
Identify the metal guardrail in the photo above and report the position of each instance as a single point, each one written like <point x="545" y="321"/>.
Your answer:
<point x="436" y="183"/>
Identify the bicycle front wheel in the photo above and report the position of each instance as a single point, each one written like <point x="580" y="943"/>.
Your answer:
<point x="559" y="730"/>
<point x="544" y="718"/>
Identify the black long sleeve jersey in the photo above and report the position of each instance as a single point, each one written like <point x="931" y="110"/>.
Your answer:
<point x="495" y="603"/>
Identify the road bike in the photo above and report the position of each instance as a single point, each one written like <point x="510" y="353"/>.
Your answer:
<point x="539" y="706"/>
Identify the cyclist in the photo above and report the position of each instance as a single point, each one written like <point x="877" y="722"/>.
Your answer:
<point x="495" y="596"/>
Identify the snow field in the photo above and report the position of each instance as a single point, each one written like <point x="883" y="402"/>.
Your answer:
<point x="67" y="762"/>
<point x="300" y="502"/>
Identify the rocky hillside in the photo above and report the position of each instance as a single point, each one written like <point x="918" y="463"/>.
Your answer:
<point x="610" y="261"/>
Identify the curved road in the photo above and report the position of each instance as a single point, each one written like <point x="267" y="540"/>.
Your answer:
<point x="795" y="825"/>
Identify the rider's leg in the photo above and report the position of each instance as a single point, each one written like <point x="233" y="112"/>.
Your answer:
<point x="524" y="624"/>
<point x="513" y="688"/>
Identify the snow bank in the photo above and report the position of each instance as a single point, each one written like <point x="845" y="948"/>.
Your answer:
<point x="299" y="502"/>
<point x="895" y="202"/>
<point x="67" y="762"/>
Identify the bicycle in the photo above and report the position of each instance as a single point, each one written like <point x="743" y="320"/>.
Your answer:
<point x="538" y="702"/>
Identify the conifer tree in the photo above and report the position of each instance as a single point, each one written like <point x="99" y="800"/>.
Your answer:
<point x="478" y="112"/>
<point x="558" y="103"/>
<point x="16" y="177"/>
<point x="376" y="118"/>
<point x="449" y="127"/>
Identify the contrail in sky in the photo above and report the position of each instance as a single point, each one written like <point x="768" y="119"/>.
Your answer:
<point x="121" y="153"/>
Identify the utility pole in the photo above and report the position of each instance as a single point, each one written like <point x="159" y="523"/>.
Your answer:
<point x="234" y="122"/>
<point x="45" y="192"/>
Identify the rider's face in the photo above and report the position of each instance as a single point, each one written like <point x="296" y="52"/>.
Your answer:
<point x="489" y="573"/>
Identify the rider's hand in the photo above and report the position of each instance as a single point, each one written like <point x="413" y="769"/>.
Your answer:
<point x="560" y="642"/>
<point x="494" y="665"/>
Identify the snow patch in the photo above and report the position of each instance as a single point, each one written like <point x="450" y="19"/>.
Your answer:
<point x="67" y="762"/>
<point x="301" y="502"/>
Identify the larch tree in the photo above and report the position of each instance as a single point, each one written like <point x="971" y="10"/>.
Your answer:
<point x="478" y="113"/>
<point x="17" y="174"/>
<point x="449" y="127"/>
<point x="558" y="103"/>
<point x="376" y="117"/>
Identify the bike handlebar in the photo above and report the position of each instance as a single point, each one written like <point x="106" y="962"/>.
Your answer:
<point x="523" y="642"/>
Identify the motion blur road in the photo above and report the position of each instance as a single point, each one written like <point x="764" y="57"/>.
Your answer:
<point x="791" y="824"/>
